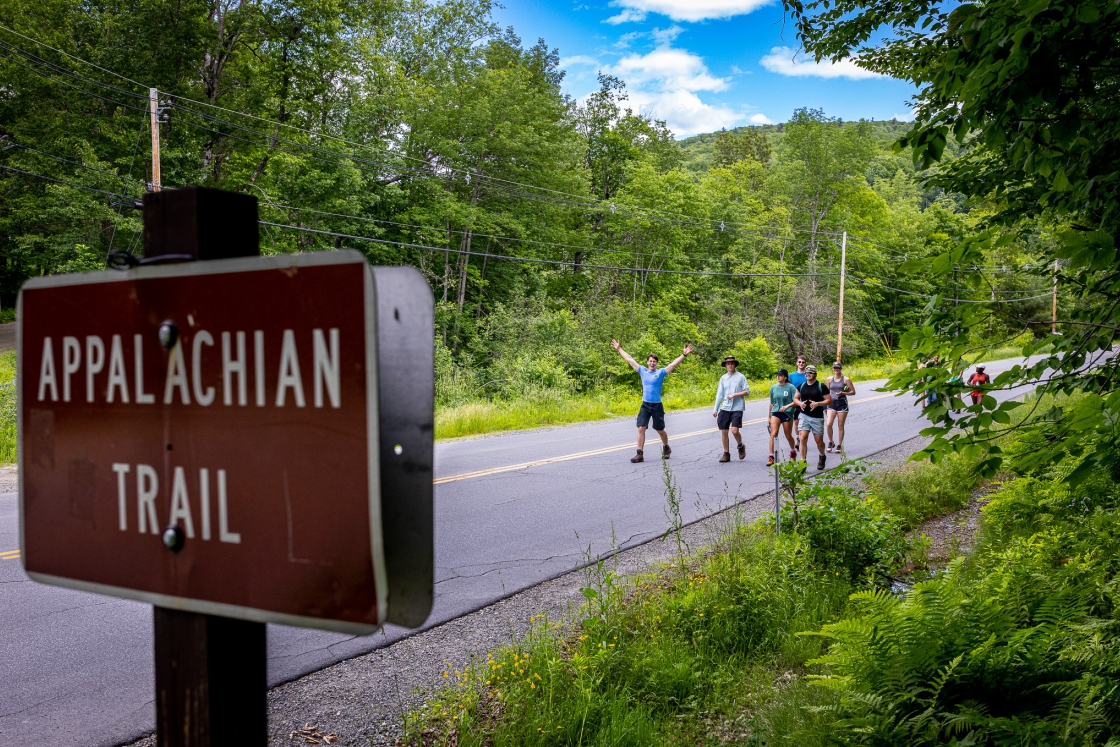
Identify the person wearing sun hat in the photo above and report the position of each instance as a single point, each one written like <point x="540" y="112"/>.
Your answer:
<point x="728" y="410"/>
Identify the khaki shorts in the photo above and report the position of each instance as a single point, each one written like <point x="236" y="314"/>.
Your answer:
<point x="813" y="425"/>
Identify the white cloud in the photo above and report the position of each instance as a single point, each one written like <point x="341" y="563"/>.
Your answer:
<point x="667" y="69"/>
<point x="760" y="119"/>
<point x="664" y="83"/>
<point x="624" y="40"/>
<point x="684" y="112"/>
<point x="579" y="59"/>
<point x="785" y="61"/>
<point x="684" y="10"/>
<point x="629" y="14"/>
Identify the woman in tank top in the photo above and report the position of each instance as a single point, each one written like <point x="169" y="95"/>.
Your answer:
<point x="840" y="387"/>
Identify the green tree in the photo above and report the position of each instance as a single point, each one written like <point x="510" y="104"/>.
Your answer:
<point x="1028" y="90"/>
<point x="732" y="147"/>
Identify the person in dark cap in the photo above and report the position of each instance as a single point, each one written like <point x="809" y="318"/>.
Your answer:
<point x="728" y="410"/>
<point x="781" y="401"/>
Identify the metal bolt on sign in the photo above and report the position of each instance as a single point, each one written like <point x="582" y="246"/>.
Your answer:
<point x="234" y="439"/>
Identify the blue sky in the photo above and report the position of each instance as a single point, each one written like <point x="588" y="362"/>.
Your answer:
<point x="701" y="64"/>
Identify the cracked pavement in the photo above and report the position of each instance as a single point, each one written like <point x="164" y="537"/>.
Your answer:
<point x="79" y="667"/>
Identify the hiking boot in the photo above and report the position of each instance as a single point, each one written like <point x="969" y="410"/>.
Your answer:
<point x="770" y="460"/>
<point x="742" y="451"/>
<point x="726" y="457"/>
<point x="666" y="451"/>
<point x="637" y="457"/>
<point x="820" y="462"/>
<point x="793" y="455"/>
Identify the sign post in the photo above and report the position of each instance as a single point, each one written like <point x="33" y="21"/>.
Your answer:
<point x="234" y="439"/>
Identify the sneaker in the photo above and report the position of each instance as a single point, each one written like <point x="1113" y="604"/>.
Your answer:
<point x="637" y="457"/>
<point x="666" y="451"/>
<point x="726" y="457"/>
<point x="793" y="455"/>
<point x="820" y="462"/>
<point x="770" y="460"/>
<point x="831" y="446"/>
<point x="742" y="451"/>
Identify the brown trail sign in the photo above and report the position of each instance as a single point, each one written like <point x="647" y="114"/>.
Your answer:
<point x="245" y="438"/>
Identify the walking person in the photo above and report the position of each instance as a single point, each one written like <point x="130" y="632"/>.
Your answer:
<point x="978" y="379"/>
<point x="812" y="398"/>
<point x="840" y="387"/>
<point x="781" y="400"/>
<point x="728" y="410"/>
<point x="652" y="408"/>
<point x="797" y="378"/>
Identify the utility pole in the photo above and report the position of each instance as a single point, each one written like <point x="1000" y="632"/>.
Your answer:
<point x="153" y="107"/>
<point x="1054" y="309"/>
<point x="843" y="268"/>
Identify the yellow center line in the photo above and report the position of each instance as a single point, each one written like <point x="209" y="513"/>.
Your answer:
<point x="596" y="452"/>
<point x="9" y="555"/>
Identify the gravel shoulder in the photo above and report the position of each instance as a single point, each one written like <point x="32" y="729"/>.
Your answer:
<point x="361" y="701"/>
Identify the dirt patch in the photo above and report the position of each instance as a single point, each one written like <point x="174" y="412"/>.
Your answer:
<point x="9" y="478"/>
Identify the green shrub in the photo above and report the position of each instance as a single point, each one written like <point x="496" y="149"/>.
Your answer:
<point x="1017" y="644"/>
<point x="757" y="361"/>
<point x="850" y="533"/>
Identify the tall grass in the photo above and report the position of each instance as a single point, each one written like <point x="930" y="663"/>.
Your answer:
<point x="8" y="433"/>
<point x="667" y="660"/>
<point x="921" y="490"/>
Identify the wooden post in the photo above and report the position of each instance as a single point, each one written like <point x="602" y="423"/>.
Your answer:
<point x="211" y="680"/>
<point x="843" y="268"/>
<point x="1054" y="310"/>
<point x="153" y="109"/>
<point x="211" y="672"/>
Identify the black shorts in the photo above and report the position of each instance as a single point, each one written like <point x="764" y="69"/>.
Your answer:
<point x="729" y="419"/>
<point x="654" y="410"/>
<point x="839" y="405"/>
<point x="783" y="417"/>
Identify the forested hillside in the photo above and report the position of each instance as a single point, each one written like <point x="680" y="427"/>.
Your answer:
<point x="421" y="133"/>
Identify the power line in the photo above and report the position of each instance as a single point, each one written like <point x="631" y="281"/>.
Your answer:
<point x="70" y="161"/>
<point x="564" y="263"/>
<point x="863" y="282"/>
<point x="129" y="201"/>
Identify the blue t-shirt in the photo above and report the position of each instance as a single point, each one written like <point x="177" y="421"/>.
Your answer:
<point x="651" y="383"/>
<point x="797" y="379"/>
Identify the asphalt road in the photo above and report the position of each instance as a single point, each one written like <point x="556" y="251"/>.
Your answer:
<point x="511" y="511"/>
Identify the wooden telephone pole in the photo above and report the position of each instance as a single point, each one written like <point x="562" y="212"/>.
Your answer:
<point x="843" y="268"/>
<point x="153" y="108"/>
<point x="1054" y="309"/>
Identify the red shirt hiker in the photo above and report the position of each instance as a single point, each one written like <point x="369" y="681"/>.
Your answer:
<point x="977" y="379"/>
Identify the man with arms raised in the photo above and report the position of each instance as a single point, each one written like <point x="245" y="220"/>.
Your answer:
<point x="652" y="409"/>
<point x="811" y="398"/>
